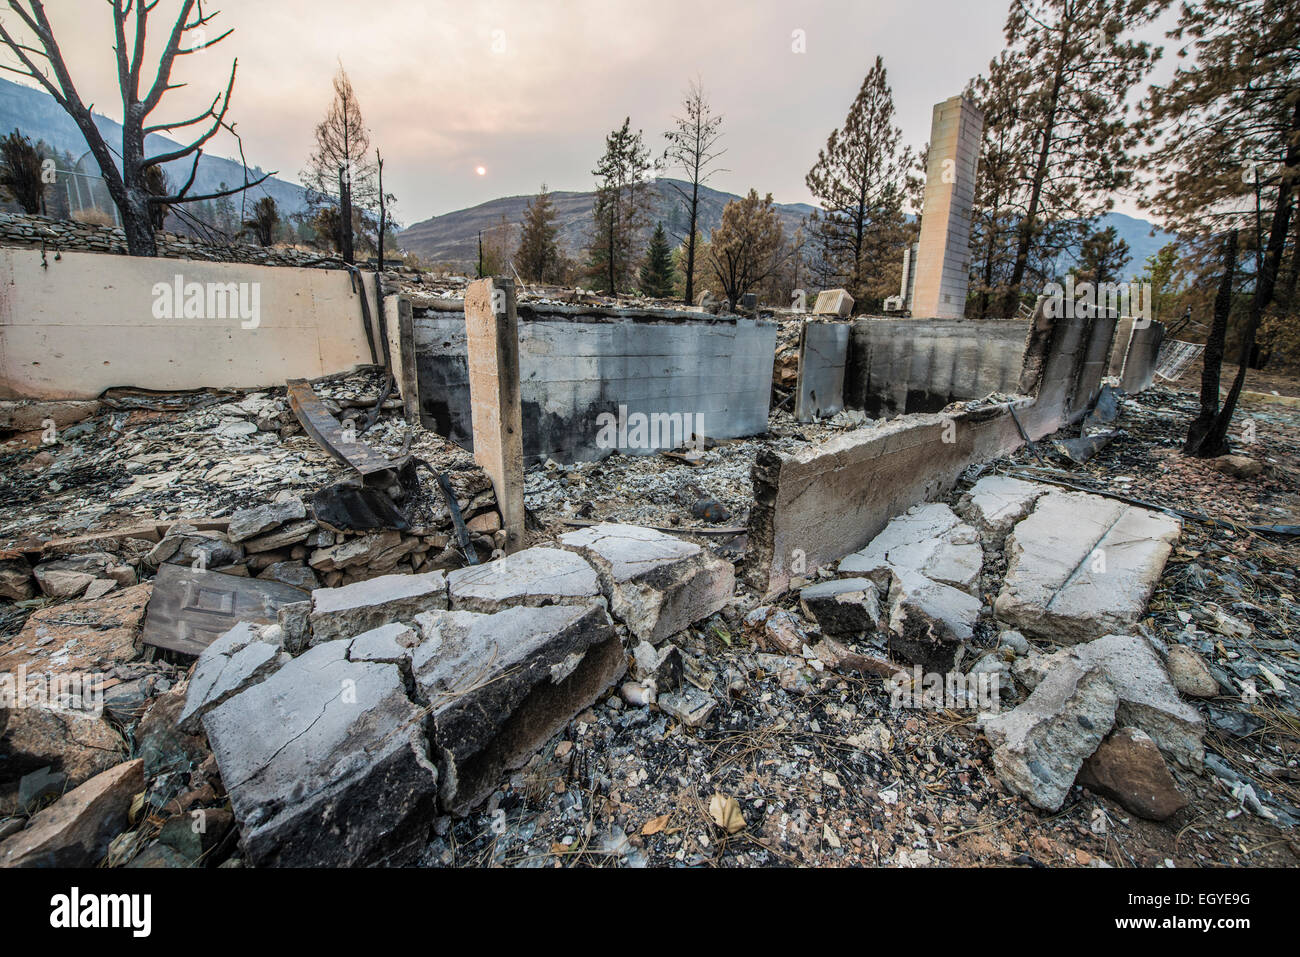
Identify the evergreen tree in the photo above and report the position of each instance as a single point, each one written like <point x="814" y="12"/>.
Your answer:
<point x="658" y="275"/>
<point x="1102" y="258"/>
<point x="622" y="201"/>
<point x="1226" y="129"/>
<point x="540" y="259"/>
<point x="860" y="179"/>
<point x="1057" y="137"/>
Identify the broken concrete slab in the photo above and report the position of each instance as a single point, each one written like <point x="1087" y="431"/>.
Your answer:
<point x="1128" y="768"/>
<point x="1147" y="697"/>
<point x="928" y="620"/>
<point x="498" y="686"/>
<point x="393" y="642"/>
<point x="843" y="606"/>
<point x="656" y="583"/>
<point x="996" y="502"/>
<point x="326" y="763"/>
<point x="76" y="830"/>
<point x="535" y="576"/>
<point x="1040" y="745"/>
<point x="927" y="539"/>
<point x="249" y="522"/>
<point x="351" y="609"/>
<point x="226" y="667"/>
<point x="1082" y="566"/>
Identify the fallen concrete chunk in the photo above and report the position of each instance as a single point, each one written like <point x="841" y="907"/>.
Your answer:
<point x="378" y="551"/>
<point x="1147" y="697"/>
<point x="997" y="502"/>
<point x="927" y="540"/>
<point x="295" y="574"/>
<point x="690" y="706"/>
<point x="844" y="606"/>
<point x="226" y="667"/>
<point x="1040" y="746"/>
<point x="534" y="576"/>
<point x="351" y="609"/>
<point x="393" y="642"/>
<point x="656" y="583"/>
<point x="1128" y="768"/>
<point x="76" y="830"/>
<point x="1081" y="566"/>
<point x="929" y="621"/>
<point x="248" y="522"/>
<point x="498" y="686"/>
<point x="326" y="763"/>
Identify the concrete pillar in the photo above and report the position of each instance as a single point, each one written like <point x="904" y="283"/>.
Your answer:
<point x="943" y="254"/>
<point x="1119" y="349"/>
<point x="492" y="344"/>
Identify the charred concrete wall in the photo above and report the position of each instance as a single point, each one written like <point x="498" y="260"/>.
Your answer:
<point x="74" y="324"/>
<point x="921" y="365"/>
<point x="1140" y="358"/>
<point x="823" y="353"/>
<point x="829" y="499"/>
<point x="656" y="377"/>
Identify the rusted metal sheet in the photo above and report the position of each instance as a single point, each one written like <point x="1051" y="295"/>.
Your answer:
<point x="329" y="434"/>
<point x="190" y="609"/>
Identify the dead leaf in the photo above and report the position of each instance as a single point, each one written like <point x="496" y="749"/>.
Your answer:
<point x="725" y="812"/>
<point x="655" y="824"/>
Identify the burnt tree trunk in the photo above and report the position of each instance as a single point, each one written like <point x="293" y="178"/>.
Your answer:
<point x="1212" y="360"/>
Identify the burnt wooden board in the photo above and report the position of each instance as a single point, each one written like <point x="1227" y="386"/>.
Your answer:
<point x="190" y="609"/>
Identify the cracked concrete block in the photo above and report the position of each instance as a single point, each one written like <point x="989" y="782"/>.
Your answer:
<point x="393" y="642"/>
<point x="248" y="522"/>
<point x="326" y="763"/>
<point x="351" y="609"/>
<point x="226" y="667"/>
<point x="929" y="540"/>
<point x="1040" y="746"/>
<point x="533" y="577"/>
<point x="1147" y="696"/>
<point x="996" y="502"/>
<point x="842" y="606"/>
<point x="657" y="584"/>
<point x="1082" y="566"/>
<point x="928" y="620"/>
<point x="499" y="686"/>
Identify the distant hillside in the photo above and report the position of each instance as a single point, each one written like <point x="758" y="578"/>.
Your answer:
<point x="38" y="117"/>
<point x="453" y="237"/>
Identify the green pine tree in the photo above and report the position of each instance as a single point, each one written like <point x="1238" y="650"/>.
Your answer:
<point x="658" y="275"/>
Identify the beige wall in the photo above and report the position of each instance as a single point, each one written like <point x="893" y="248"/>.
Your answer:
<point x="75" y="325"/>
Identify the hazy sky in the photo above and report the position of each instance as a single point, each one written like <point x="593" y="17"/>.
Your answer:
<point x="527" y="89"/>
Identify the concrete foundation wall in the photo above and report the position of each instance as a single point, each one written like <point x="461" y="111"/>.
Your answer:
<point x="823" y="354"/>
<point x="914" y="365"/>
<point x="716" y="375"/>
<point x="1140" y="361"/>
<point x="74" y="325"/>
<point x="830" y="499"/>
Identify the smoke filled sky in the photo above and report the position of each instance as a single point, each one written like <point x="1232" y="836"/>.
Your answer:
<point x="471" y="101"/>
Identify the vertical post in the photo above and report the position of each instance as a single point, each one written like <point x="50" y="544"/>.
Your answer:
<point x="408" y="375"/>
<point x="492" y="342"/>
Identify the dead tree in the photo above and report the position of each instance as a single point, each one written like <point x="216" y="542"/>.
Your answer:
<point x="41" y="58"/>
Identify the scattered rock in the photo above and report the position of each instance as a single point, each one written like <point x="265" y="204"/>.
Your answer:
<point x="351" y="609"/>
<point x="249" y="522"/>
<point x="78" y="745"/>
<point x="927" y="540"/>
<point x="1128" y="768"/>
<point x="1190" y="674"/>
<point x="534" y="576"/>
<point x="1238" y="466"/>
<point x="76" y="830"/>
<point x="844" y="606"/>
<point x="230" y="664"/>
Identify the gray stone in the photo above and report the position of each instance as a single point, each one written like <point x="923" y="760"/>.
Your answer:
<point x="294" y="620"/>
<point x="928" y="540"/>
<point x="498" y="686"/>
<point x="230" y="664"/>
<point x="393" y="642"/>
<point x="1040" y="746"/>
<point x="290" y="534"/>
<point x="291" y="573"/>
<point x="378" y="551"/>
<point x="690" y="706"/>
<point x="997" y="502"/>
<point x="326" y="763"/>
<point x="656" y="583"/>
<point x="1082" y="566"/>
<point x="249" y="522"/>
<point x="844" y="606"/>
<point x="534" y="576"/>
<point x="78" y="744"/>
<point x="183" y="544"/>
<point x="16" y="579"/>
<point x="351" y="609"/>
